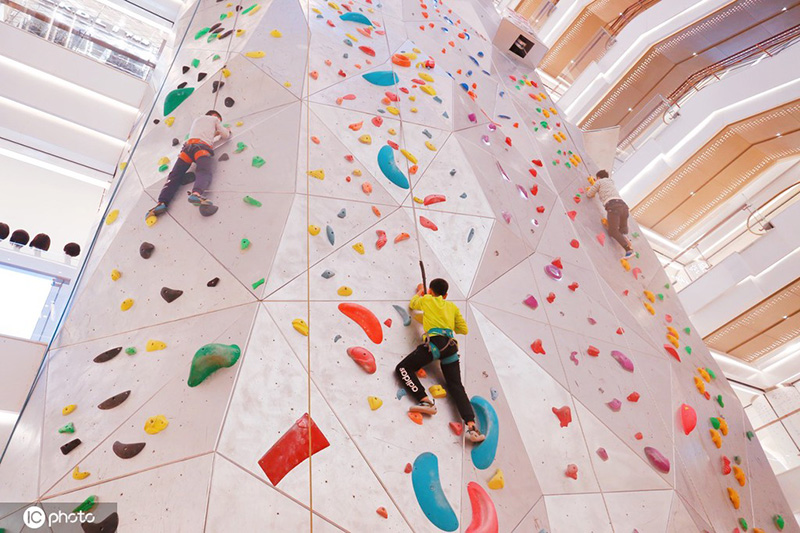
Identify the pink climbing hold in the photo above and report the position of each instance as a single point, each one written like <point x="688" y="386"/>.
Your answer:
<point x="484" y="514"/>
<point x="623" y="360"/>
<point x="391" y="96"/>
<point x="506" y="217"/>
<point x="657" y="459"/>
<point x="426" y="223"/>
<point x="377" y="121"/>
<point x="457" y="428"/>
<point x="573" y="357"/>
<point x="668" y="318"/>
<point x="531" y="302"/>
<point x="433" y="199"/>
<point x="572" y="471"/>
<point x="381" y="242"/>
<point x="636" y="272"/>
<point x="564" y="415"/>
<point x="536" y="346"/>
<point x="615" y="405"/>
<point x="602" y="453"/>
<point x="601" y="238"/>
<point x="363" y="358"/>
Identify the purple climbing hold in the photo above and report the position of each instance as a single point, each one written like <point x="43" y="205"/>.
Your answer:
<point x="553" y="271"/>
<point x="531" y="302"/>
<point x="623" y="360"/>
<point x="615" y="405"/>
<point x="573" y="358"/>
<point x="656" y="459"/>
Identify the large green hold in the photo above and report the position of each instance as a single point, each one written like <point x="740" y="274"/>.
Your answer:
<point x="211" y="358"/>
<point x="176" y="98"/>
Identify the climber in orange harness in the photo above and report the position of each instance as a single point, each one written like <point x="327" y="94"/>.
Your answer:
<point x="616" y="210"/>
<point x="441" y="320"/>
<point x="205" y="131"/>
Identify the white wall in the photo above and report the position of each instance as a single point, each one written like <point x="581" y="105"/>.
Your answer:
<point x="19" y="359"/>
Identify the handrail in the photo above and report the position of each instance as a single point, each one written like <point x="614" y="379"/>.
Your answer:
<point x="756" y="210"/>
<point x="631" y="12"/>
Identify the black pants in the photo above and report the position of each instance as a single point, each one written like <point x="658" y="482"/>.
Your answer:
<point x="198" y="153"/>
<point x="407" y="372"/>
<point x="617" y="216"/>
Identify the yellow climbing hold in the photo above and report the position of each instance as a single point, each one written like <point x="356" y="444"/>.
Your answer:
<point x="126" y="304"/>
<point x="414" y="109"/>
<point x="374" y="402"/>
<point x="154" y="346"/>
<point x="430" y="146"/>
<point x="68" y="409"/>
<point x="226" y="72"/>
<point x="276" y="34"/>
<point x="344" y="290"/>
<point x="351" y="37"/>
<point x="239" y="123"/>
<point x="393" y="110"/>
<point x="419" y="200"/>
<point x="300" y="325"/>
<point x="169" y="121"/>
<point x="428" y="90"/>
<point x="392" y="131"/>
<point x="254" y="10"/>
<point x="497" y="482"/>
<point x="317" y="11"/>
<point x="359" y="247"/>
<point x="649" y="308"/>
<point x="704" y="373"/>
<point x="115" y="274"/>
<point x="151" y="220"/>
<point x="409" y="156"/>
<point x="333" y="5"/>
<point x="365" y="139"/>
<point x="156" y="424"/>
<point x="112" y="216"/>
<point x="650" y="296"/>
<point x="287" y="84"/>
<point x="77" y="474"/>
<point x="319" y="174"/>
<point x="412" y="98"/>
<point x="123" y="165"/>
<point x="256" y="54"/>
<point x="437" y="391"/>
<point x="673" y="332"/>
<point x="625" y="264"/>
<point x="356" y="172"/>
<point x="673" y="341"/>
<point x="313" y="230"/>
<point x="411" y="55"/>
<point x="240" y="32"/>
<point x="425" y="76"/>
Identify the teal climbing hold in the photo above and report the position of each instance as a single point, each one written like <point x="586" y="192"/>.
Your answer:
<point x="429" y="492"/>
<point x="484" y="453"/>
<point x="176" y="98"/>
<point x="211" y="358"/>
<point x="403" y="314"/>
<point x="355" y="17"/>
<point x="381" y="78"/>
<point x="389" y="167"/>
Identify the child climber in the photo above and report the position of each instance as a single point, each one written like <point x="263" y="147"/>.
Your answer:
<point x="616" y="209"/>
<point x="441" y="320"/>
<point x="205" y="131"/>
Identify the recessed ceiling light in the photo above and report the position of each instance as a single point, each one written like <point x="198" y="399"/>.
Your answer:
<point x="691" y="193"/>
<point x="694" y="53"/>
<point x="784" y="9"/>
<point x="777" y="135"/>
<point x="785" y="317"/>
<point x="630" y="109"/>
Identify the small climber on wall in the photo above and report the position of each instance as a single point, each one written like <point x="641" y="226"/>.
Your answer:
<point x="616" y="209"/>
<point x="441" y="320"/>
<point x="205" y="131"/>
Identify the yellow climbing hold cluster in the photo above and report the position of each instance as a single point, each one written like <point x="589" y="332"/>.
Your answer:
<point x="154" y="346"/>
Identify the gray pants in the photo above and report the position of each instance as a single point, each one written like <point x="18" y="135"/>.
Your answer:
<point x="617" y="216"/>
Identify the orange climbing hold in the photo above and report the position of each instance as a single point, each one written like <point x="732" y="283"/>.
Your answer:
<point x="416" y="418"/>
<point x="364" y="318"/>
<point x="402" y="237"/>
<point x="401" y="60"/>
<point x="382" y="512"/>
<point x="427" y="223"/>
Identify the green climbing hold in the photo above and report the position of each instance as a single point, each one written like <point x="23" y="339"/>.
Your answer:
<point x="240" y="147"/>
<point x="252" y="201"/>
<point x="87" y="505"/>
<point x="567" y="165"/>
<point x="245" y="244"/>
<point x="163" y="167"/>
<point x="211" y="358"/>
<point x="216" y="57"/>
<point x="635" y="234"/>
<point x="688" y="331"/>
<point x="559" y="152"/>
<point x="538" y="109"/>
<point x="223" y="16"/>
<point x="212" y="37"/>
<point x="688" y="349"/>
<point x="130" y="350"/>
<point x="201" y="33"/>
<point x="258" y="161"/>
<point x="666" y="285"/>
<point x="195" y="63"/>
<point x="543" y="124"/>
<point x="719" y="400"/>
<point x="660" y="296"/>
<point x="711" y="373"/>
<point x="780" y="523"/>
<point x="743" y="523"/>
<point x="176" y="98"/>
<point x="69" y="428"/>
<point x="750" y="435"/>
<point x="715" y="422"/>
<point x="258" y="283"/>
<point x="248" y="10"/>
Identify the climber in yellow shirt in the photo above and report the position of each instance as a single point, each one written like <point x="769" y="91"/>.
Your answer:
<point x="441" y="320"/>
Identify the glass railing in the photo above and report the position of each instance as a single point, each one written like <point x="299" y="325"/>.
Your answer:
<point x="91" y="28"/>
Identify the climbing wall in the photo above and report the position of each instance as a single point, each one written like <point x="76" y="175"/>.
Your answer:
<point x="237" y="372"/>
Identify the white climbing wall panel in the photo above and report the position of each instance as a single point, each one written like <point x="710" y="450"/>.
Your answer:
<point x="369" y="135"/>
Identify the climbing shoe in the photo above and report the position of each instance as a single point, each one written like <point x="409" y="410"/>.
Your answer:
<point x="473" y="435"/>
<point x="628" y="254"/>
<point x="424" y="407"/>
<point x="197" y="199"/>
<point x="158" y="210"/>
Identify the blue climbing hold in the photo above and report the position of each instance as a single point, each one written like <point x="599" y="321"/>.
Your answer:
<point x="342" y="213"/>
<point x="381" y="78"/>
<point x="503" y="116"/>
<point x="471" y="235"/>
<point x="389" y="168"/>
<point x="355" y="17"/>
<point x="474" y="60"/>
<point x="403" y="314"/>
<point x="429" y="492"/>
<point x="400" y="393"/>
<point x="464" y="86"/>
<point x="483" y="454"/>
<point x="480" y="54"/>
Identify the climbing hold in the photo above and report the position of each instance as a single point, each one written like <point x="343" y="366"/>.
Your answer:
<point x="572" y="471"/>
<point x="251" y="201"/>
<point x="359" y="247"/>
<point x="114" y="401"/>
<point x="115" y="274"/>
<point x="154" y="346"/>
<point x="457" y="428"/>
<point x="170" y="295"/>
<point x="71" y="445"/>
<point x="602" y="453"/>
<point x="426" y="223"/>
<point x="531" y="302"/>
<point x="564" y="415"/>
<point x="328" y="274"/>
<point x="434" y="199"/>
<point x="258" y="161"/>
<point x="300" y="325"/>
<point x="381" y="78"/>
<point x="402" y="237"/>
<point x="688" y="418"/>
<point x="112" y="216"/>
<point x="213" y="282"/>
<point x="374" y="402"/>
<point x="670" y="350"/>
<point x="484" y="514"/>
<point x="403" y="314"/>
<point x="401" y="60"/>
<point x="738" y="473"/>
<point x="146" y="250"/>
<point x="244" y="244"/>
<point x="127" y="451"/>
<point x="416" y="418"/>
<point x="633" y="397"/>
<point x="318" y="174"/>
<point x="734" y="497"/>
<point x="484" y="453"/>
<point x="365" y="139"/>
<point x="615" y="405"/>
<point x="553" y="271"/>
<point x="363" y="358"/>
<point x="364" y="318"/>
<point x="437" y="391"/>
<point x="342" y="213"/>
<point x="701" y="387"/>
<point x="210" y="358"/>
<point x="108" y="355"/>
<point x="68" y="409"/>
<point x="593" y="351"/>
<point x="657" y="459"/>
<point x="355" y="17"/>
<point x="313" y="230"/>
<point x="176" y="98"/>
<point x="715" y="438"/>
<point x="780" y="523"/>
<point x="256" y="54"/>
<point x="330" y="234"/>
<point x="381" y="242"/>
<point x="623" y="360"/>
<point x="470" y="235"/>
<point x="429" y="493"/>
<point x="344" y="290"/>
<point x="389" y="168"/>
<point x="536" y="346"/>
<point x="156" y="424"/>
<point x="719" y="400"/>
<point x="78" y="475"/>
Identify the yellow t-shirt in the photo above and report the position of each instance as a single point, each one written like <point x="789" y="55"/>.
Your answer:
<point x="439" y="313"/>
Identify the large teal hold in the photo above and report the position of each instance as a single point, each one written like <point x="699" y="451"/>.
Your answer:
<point x="484" y="453"/>
<point x="356" y="17"/>
<point x="429" y="493"/>
<point x="389" y="168"/>
<point x="176" y="98"/>
<point x="381" y="78"/>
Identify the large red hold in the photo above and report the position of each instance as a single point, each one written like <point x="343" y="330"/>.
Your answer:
<point x="292" y="449"/>
<point x="688" y="418"/>
<point x="363" y="358"/>
<point x="364" y="318"/>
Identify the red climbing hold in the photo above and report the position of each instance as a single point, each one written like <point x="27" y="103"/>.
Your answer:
<point x="377" y="121"/>
<point x="364" y="318"/>
<point x="533" y="172"/>
<point x="601" y="238"/>
<point x="508" y="141"/>
<point x="540" y="209"/>
<point x="572" y="214"/>
<point x="382" y="512"/>
<point x="591" y="350"/>
<point x="484" y="514"/>
<point x="292" y="449"/>
<point x="572" y="471"/>
<point x="688" y="418"/>
<point x="670" y="350"/>
<point x="393" y="144"/>
<point x="381" y="242"/>
<point x="536" y="346"/>
<point x="573" y="286"/>
<point x="633" y="397"/>
<point x="433" y="199"/>
<point x="416" y="418"/>
<point x="620" y="331"/>
<point x="726" y="466"/>
<point x="387" y="322"/>
<point x="574" y="243"/>
<point x="534" y="189"/>
<point x="426" y="223"/>
<point x="408" y="468"/>
<point x="402" y="237"/>
<point x="638" y="436"/>
<point x="557" y="263"/>
<point x="537" y="162"/>
<point x="551" y="298"/>
<point x="457" y="428"/>
<point x="367" y="50"/>
<point x="363" y="358"/>
<point x="564" y="415"/>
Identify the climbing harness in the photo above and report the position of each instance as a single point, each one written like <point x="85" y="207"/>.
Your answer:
<point x="437" y="354"/>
